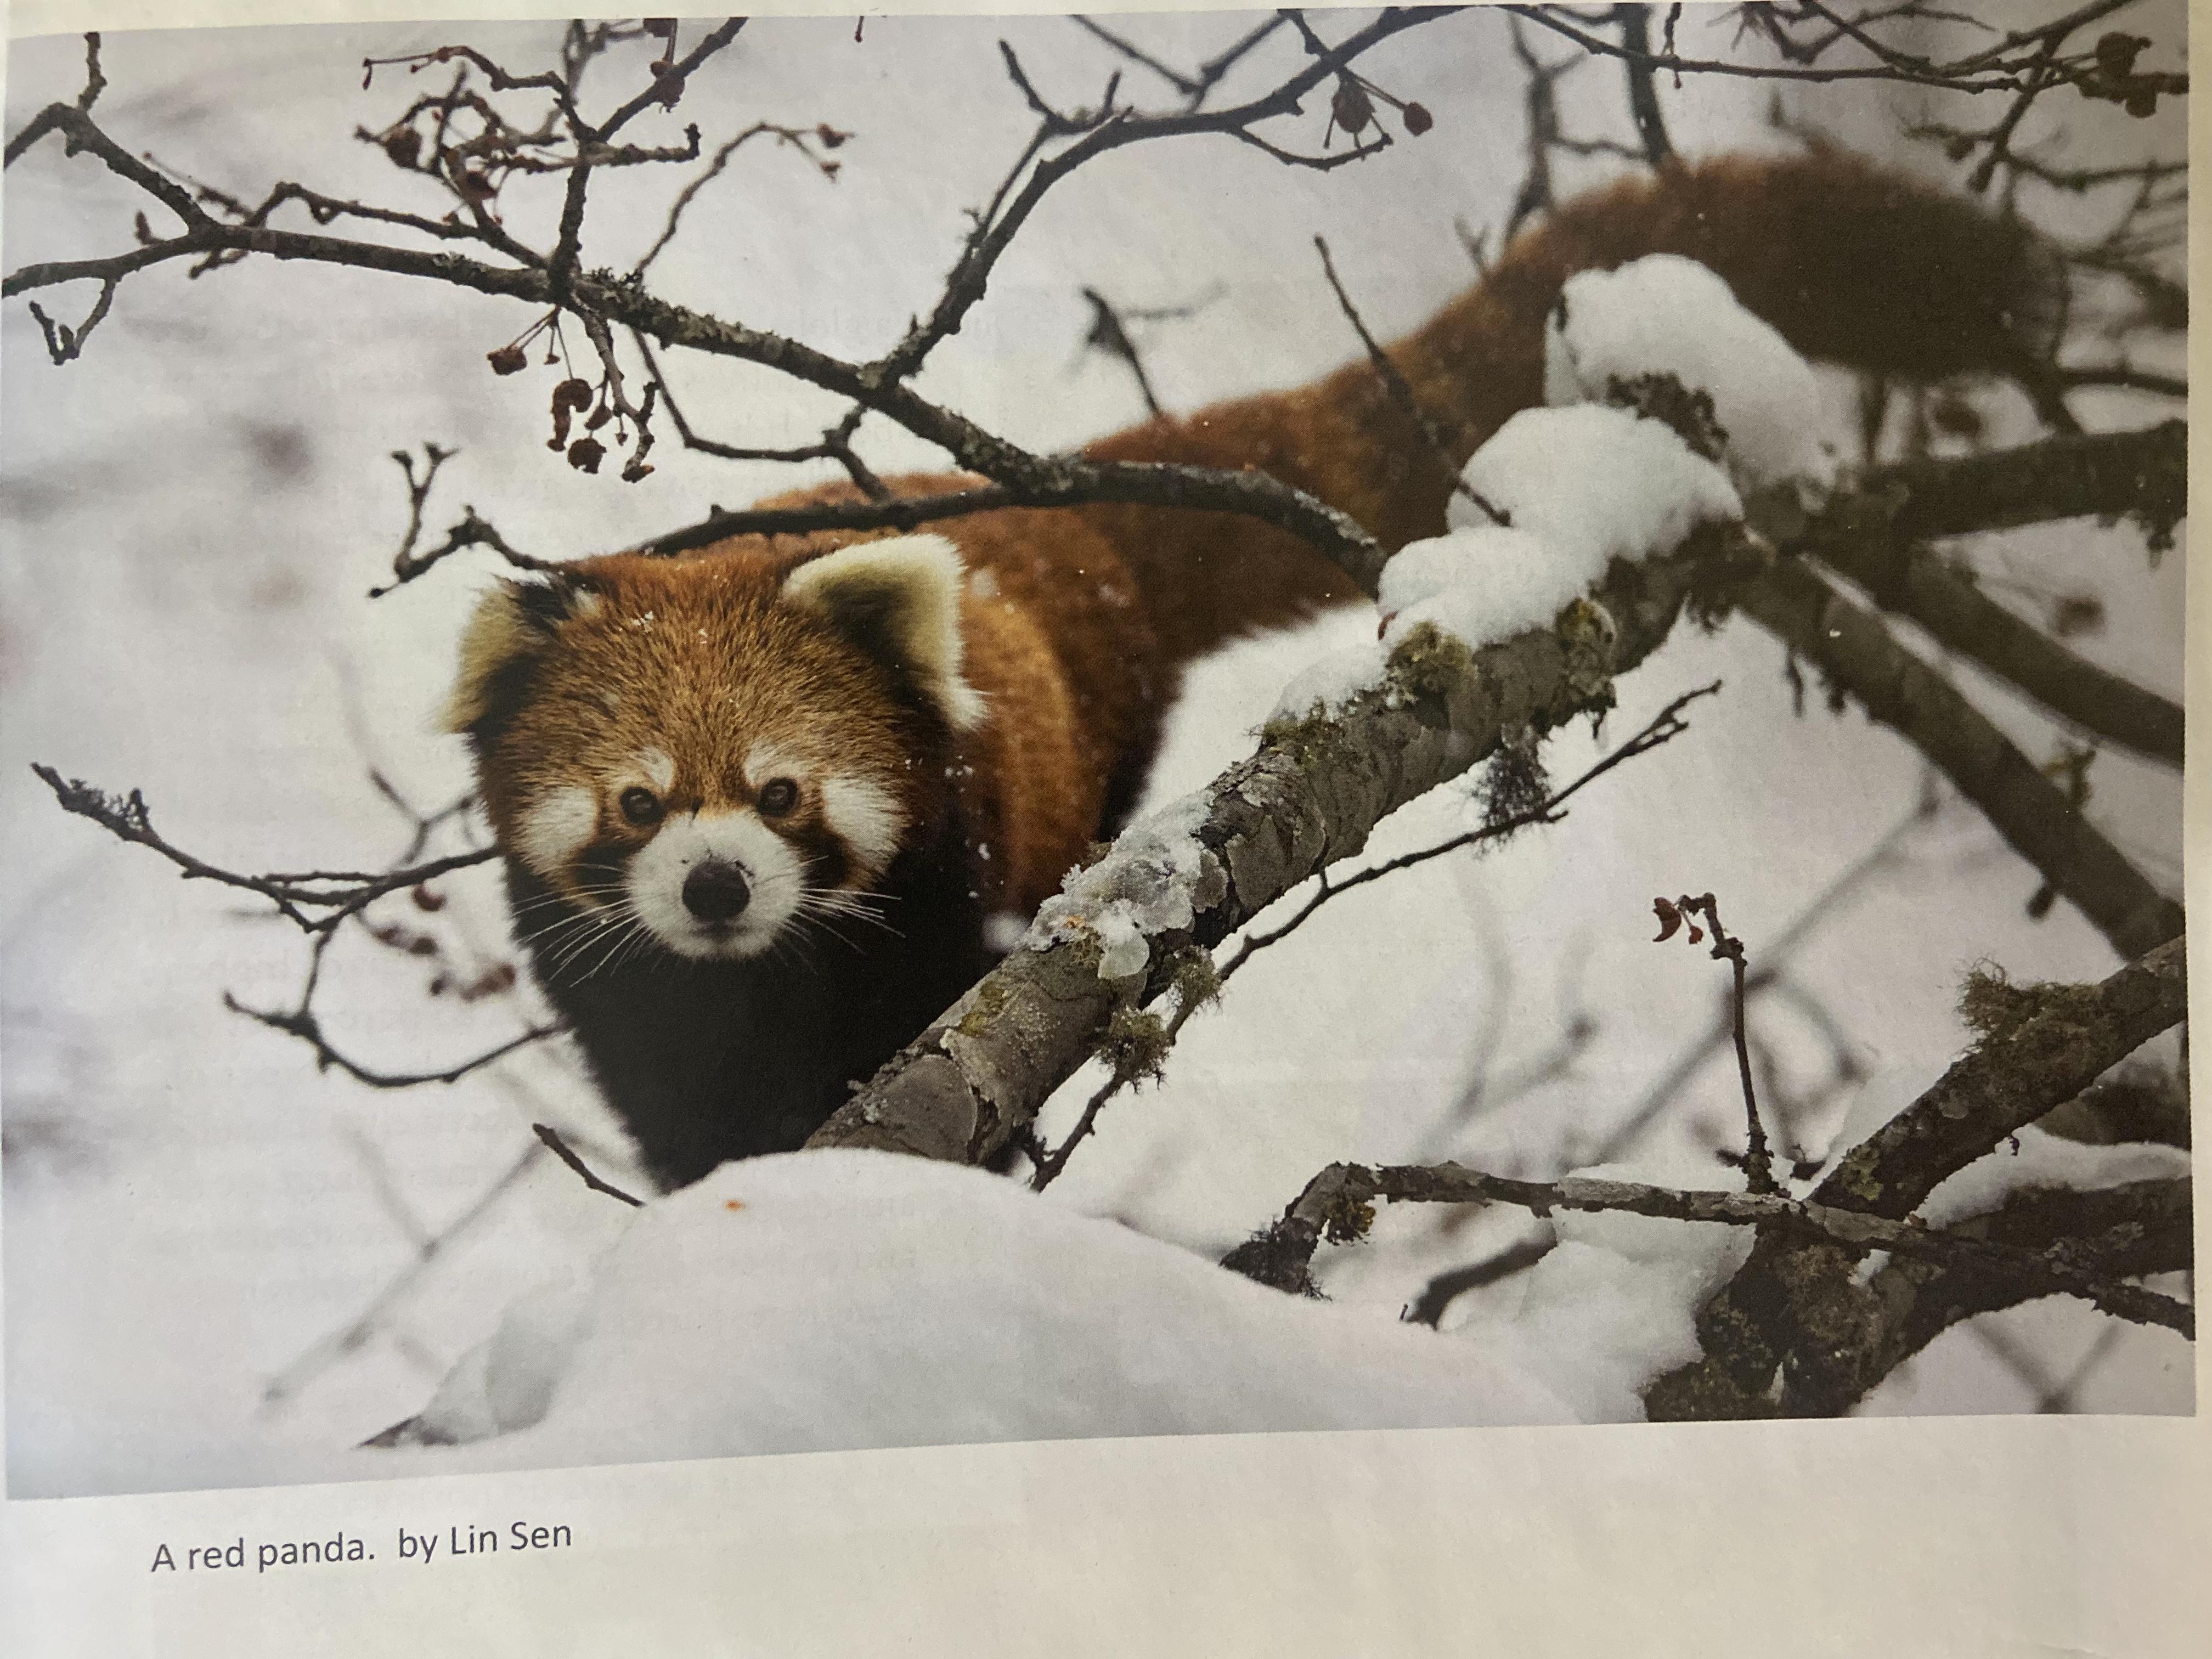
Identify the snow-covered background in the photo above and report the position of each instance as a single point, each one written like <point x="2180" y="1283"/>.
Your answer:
<point x="215" y="1270"/>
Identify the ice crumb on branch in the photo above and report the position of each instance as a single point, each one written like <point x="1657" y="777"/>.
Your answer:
<point x="1155" y="880"/>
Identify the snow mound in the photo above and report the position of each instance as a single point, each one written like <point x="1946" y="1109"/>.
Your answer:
<point x="1157" y="880"/>
<point x="1664" y="314"/>
<point x="830" y="1300"/>
<point x="1709" y="1252"/>
<point x="2044" y="1161"/>
<point x="1597" y="1327"/>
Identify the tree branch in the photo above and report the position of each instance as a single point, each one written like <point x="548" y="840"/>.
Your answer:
<point x="1317" y="788"/>
<point x="1338" y="1205"/>
<point x="1791" y="1303"/>
<point x="1912" y="582"/>
<point x="2010" y="1079"/>
<point x="339" y="893"/>
<point x="1310" y="796"/>
<point x="2031" y="813"/>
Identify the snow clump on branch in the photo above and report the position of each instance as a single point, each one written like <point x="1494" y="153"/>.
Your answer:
<point x="1667" y="315"/>
<point x="1581" y="487"/>
<point x="1597" y="476"/>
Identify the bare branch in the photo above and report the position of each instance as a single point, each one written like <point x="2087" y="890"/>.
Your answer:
<point x="560" y="1149"/>
<point x="303" y="1023"/>
<point x="794" y="138"/>
<point x="2022" y="804"/>
<point x="339" y="893"/>
<point x="1443" y="445"/>
<point x="1758" y="1161"/>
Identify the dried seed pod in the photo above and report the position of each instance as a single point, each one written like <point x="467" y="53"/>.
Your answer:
<point x="507" y="360"/>
<point x="2116" y="52"/>
<point x="1352" y="107"/>
<point x="1417" y="119"/>
<point x="586" y="454"/>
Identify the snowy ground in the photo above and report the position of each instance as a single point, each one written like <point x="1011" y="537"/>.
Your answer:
<point x="196" y="1222"/>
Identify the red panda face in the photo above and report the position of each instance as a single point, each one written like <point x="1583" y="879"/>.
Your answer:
<point x="717" y="755"/>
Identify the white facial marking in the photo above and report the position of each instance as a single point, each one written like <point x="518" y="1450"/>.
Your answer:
<point x="773" y="874"/>
<point x="556" y="828"/>
<point x="660" y="770"/>
<point x="866" y="817"/>
<point x="764" y="761"/>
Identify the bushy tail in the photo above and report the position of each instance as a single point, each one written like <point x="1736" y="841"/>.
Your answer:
<point x="1851" y="263"/>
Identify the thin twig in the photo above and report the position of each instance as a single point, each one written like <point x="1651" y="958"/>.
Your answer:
<point x="1443" y="446"/>
<point x="562" y="1150"/>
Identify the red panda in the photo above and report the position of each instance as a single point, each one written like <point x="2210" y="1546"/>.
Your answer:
<point x="768" y="808"/>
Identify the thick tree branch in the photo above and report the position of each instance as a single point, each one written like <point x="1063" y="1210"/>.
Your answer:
<point x="2010" y="1079"/>
<point x="1914" y="582"/>
<point x="1792" y="1303"/>
<point x="1310" y="796"/>
<point x="1338" y="1205"/>
<point x="1317" y="788"/>
<point x="2143" y="474"/>
<point x="2031" y="813"/>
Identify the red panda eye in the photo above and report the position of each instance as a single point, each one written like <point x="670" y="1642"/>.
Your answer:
<point x="777" y="797"/>
<point x="639" y="807"/>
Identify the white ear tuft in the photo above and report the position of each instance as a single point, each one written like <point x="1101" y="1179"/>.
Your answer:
<point x="499" y="633"/>
<point x="513" y="621"/>
<point x="899" y="600"/>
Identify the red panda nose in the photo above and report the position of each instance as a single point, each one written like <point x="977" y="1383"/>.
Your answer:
<point x="716" y="891"/>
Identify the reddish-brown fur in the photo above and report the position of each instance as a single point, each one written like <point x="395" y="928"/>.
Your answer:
<point x="1075" y="623"/>
<point x="1850" y="262"/>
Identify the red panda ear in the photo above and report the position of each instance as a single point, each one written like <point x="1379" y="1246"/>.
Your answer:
<point x="513" y="625"/>
<point x="898" y="601"/>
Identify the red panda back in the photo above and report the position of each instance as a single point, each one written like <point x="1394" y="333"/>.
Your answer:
<point x="1852" y="263"/>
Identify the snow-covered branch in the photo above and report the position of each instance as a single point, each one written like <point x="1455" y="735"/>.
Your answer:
<point x="1792" y="1302"/>
<point x="1319" y="785"/>
<point x="1338" y="1205"/>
